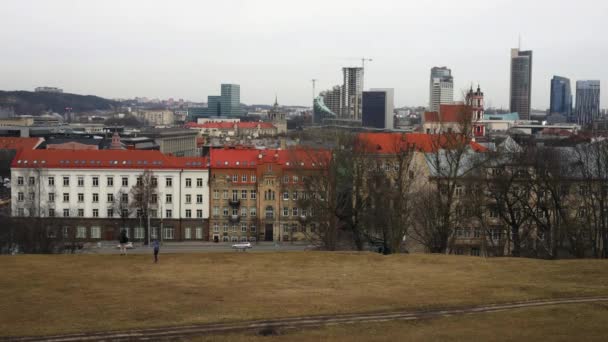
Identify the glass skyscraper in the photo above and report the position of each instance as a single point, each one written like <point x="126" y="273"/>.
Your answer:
<point x="561" y="97"/>
<point x="587" y="101"/>
<point x="521" y="83"/>
<point x="227" y="104"/>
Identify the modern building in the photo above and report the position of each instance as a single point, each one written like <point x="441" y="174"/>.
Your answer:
<point x="352" y="93"/>
<point x="159" y="117"/>
<point x="91" y="193"/>
<point x="441" y="88"/>
<point x="321" y="111"/>
<point x="378" y="107"/>
<point x="228" y="104"/>
<point x="177" y="142"/>
<point x="521" y="83"/>
<point x="587" y="102"/>
<point x="561" y="97"/>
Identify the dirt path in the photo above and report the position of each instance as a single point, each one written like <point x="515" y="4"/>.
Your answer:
<point x="293" y="322"/>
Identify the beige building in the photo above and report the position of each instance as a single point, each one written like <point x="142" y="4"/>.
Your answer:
<point x="156" y="117"/>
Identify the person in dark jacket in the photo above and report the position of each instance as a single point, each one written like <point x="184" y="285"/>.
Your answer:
<point x="123" y="240"/>
<point x="156" y="247"/>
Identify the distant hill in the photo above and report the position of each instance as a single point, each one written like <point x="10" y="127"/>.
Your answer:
<point x="27" y="102"/>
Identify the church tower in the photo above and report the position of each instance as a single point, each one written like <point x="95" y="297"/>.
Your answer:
<point x="277" y="117"/>
<point x="475" y="100"/>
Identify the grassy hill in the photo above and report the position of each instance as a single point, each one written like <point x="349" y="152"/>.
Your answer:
<point x="47" y="294"/>
<point x="27" y="102"/>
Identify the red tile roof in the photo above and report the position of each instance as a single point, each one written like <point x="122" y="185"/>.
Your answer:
<point x="447" y="113"/>
<point x="251" y="158"/>
<point x="391" y="143"/>
<point x="10" y="143"/>
<point x="104" y="159"/>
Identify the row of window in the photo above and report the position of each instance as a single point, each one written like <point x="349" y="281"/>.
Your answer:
<point x="234" y="228"/>
<point x="94" y="232"/>
<point x="109" y="213"/>
<point x="109" y="197"/>
<point x="235" y="238"/>
<point x="110" y="181"/>
<point x="235" y="194"/>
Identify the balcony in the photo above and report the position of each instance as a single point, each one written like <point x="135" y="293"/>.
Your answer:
<point x="234" y="202"/>
<point x="234" y="218"/>
<point x="303" y="218"/>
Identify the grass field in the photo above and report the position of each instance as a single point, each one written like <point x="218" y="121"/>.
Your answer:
<point x="70" y="293"/>
<point x="565" y="323"/>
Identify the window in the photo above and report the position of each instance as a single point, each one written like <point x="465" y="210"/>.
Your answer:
<point x="269" y="195"/>
<point x="20" y="197"/>
<point x="110" y="212"/>
<point x="51" y="212"/>
<point x="169" y="213"/>
<point x="124" y="198"/>
<point x="153" y="198"/>
<point x="95" y="181"/>
<point x="52" y="197"/>
<point x="285" y="211"/>
<point x="252" y="228"/>
<point x="80" y="197"/>
<point x="244" y="178"/>
<point x="51" y="181"/>
<point x="295" y="179"/>
<point x="216" y="211"/>
<point x="124" y="213"/>
<point x="216" y="194"/>
<point x="66" y="197"/>
<point x="285" y="228"/>
<point x="110" y="198"/>
<point x="304" y="212"/>
<point x="19" y="180"/>
<point x="235" y="178"/>
<point x="125" y="181"/>
<point x="139" y="181"/>
<point x="95" y="212"/>
<point x="244" y="227"/>
<point x="199" y="199"/>
<point x="294" y="227"/>
<point x="244" y="194"/>
<point x="168" y="233"/>
<point x="152" y="213"/>
<point x="199" y="182"/>
<point x="199" y="233"/>
<point x="254" y="178"/>
<point x="154" y="182"/>
<point x="139" y="233"/>
<point x="187" y="233"/>
<point x="216" y="228"/>
<point x="243" y="211"/>
<point x="188" y="199"/>
<point x="234" y="228"/>
<point x="269" y="212"/>
<point x="95" y="198"/>
<point x="80" y="212"/>
<point x="295" y="195"/>
<point x="95" y="233"/>
<point x="66" y="181"/>
<point x="254" y="194"/>
<point x="225" y="228"/>
<point x="188" y="213"/>
<point x="31" y="181"/>
<point x="225" y="194"/>
<point x="235" y="212"/>
<point x="285" y="195"/>
<point x="294" y="211"/>
<point x="199" y="213"/>
<point x="32" y="196"/>
<point x="253" y="211"/>
<point x="168" y="198"/>
<point x="168" y="182"/>
<point x="285" y="179"/>
<point x="81" y="232"/>
<point x="66" y="212"/>
<point x="20" y="212"/>
<point x="188" y="182"/>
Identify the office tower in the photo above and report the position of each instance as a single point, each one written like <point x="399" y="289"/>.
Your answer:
<point x="227" y="104"/>
<point x="561" y="97"/>
<point x="521" y="82"/>
<point x="333" y="99"/>
<point x="352" y="90"/>
<point x="587" y="101"/>
<point x="441" y="88"/>
<point x="378" y="107"/>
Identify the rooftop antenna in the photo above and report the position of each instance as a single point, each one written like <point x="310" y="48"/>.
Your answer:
<point x="519" y="42"/>
<point x="314" y="81"/>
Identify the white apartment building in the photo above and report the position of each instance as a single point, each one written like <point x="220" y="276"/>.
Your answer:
<point x="441" y="88"/>
<point x="96" y="188"/>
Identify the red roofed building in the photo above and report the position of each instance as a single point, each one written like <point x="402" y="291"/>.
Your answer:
<point x="92" y="193"/>
<point x="254" y="193"/>
<point x="10" y="146"/>
<point x="392" y="143"/>
<point x="451" y="118"/>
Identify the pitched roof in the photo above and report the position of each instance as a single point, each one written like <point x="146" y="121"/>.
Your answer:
<point x="230" y="125"/>
<point x="447" y="113"/>
<point x="250" y="158"/>
<point x="391" y="143"/>
<point x="104" y="159"/>
<point x="11" y="143"/>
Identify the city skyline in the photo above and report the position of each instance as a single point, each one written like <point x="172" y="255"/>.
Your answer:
<point x="115" y="55"/>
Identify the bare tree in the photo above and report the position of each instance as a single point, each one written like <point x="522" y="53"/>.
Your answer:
<point x="145" y="197"/>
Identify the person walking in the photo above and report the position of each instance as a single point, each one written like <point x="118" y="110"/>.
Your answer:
<point x="123" y="240"/>
<point x="156" y="247"/>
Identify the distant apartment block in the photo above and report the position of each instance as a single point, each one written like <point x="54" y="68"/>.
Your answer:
<point x="156" y="117"/>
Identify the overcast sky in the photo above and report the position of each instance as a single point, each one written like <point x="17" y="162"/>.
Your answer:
<point x="185" y="49"/>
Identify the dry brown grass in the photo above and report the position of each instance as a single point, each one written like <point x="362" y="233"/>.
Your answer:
<point x="557" y="323"/>
<point x="59" y="294"/>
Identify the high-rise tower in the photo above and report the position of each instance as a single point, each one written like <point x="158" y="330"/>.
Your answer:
<point x="441" y="88"/>
<point x="352" y="93"/>
<point x="587" y="101"/>
<point x="521" y="83"/>
<point x="561" y="97"/>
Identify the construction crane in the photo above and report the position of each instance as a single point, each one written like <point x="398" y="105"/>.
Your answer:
<point x="363" y="60"/>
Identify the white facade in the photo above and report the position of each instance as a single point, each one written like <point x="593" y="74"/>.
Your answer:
<point x="442" y="92"/>
<point x="93" y="193"/>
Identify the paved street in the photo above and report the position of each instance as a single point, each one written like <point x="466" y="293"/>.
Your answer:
<point x="195" y="247"/>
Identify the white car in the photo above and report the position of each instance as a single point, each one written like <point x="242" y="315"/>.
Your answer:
<point x="129" y="245"/>
<point x="242" y="246"/>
